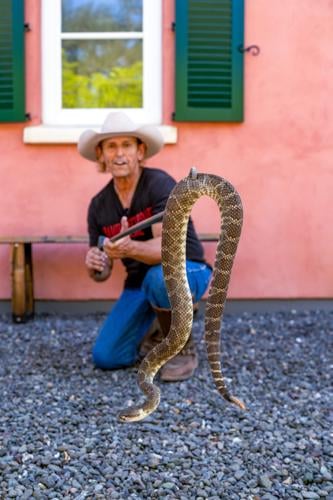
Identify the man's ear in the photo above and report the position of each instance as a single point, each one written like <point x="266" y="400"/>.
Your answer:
<point x="141" y="150"/>
<point x="99" y="153"/>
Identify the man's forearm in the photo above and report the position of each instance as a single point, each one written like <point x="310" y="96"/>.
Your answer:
<point x="148" y="252"/>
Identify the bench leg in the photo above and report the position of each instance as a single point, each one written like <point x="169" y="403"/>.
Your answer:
<point x="22" y="282"/>
<point x="29" y="282"/>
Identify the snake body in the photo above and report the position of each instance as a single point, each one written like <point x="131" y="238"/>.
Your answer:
<point x="174" y="232"/>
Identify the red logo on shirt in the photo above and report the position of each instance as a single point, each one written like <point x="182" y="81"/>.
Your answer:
<point x="114" y="229"/>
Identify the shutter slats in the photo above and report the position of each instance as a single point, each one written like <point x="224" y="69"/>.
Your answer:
<point x="12" y="99"/>
<point x="209" y="67"/>
<point x="209" y="23"/>
<point x="220" y="55"/>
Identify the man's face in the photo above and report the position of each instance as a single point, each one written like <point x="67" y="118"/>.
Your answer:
<point x="121" y="155"/>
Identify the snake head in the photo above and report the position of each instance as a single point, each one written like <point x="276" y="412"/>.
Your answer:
<point x="134" y="414"/>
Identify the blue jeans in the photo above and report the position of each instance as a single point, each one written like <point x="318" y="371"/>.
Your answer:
<point x="119" y="339"/>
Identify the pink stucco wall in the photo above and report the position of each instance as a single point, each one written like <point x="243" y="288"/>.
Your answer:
<point x="280" y="160"/>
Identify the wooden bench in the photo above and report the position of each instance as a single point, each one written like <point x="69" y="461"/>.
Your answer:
<point x="22" y="283"/>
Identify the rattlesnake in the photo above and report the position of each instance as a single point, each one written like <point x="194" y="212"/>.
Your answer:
<point x="174" y="232"/>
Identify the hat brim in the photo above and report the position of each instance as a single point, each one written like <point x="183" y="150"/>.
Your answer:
<point x="148" y="134"/>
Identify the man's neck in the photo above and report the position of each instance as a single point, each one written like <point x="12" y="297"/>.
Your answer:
<point x="125" y="188"/>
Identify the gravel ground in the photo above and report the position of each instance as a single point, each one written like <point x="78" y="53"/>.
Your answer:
<point x="59" y="437"/>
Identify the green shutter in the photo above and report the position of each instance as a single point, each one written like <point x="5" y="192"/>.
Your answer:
<point x="209" y="64"/>
<point x="12" y="95"/>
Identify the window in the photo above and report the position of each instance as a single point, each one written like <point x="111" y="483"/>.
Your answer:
<point x="100" y="55"/>
<point x="209" y="64"/>
<point x="12" y="84"/>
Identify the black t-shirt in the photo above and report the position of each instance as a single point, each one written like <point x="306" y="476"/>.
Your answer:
<point x="150" y="197"/>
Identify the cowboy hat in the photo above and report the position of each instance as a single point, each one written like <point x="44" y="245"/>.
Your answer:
<point x="119" y="124"/>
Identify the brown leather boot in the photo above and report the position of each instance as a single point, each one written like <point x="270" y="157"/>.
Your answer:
<point x="182" y="366"/>
<point x="153" y="337"/>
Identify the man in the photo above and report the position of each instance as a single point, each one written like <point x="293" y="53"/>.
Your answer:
<point x="135" y="193"/>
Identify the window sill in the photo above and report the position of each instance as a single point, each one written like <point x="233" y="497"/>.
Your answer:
<point x="47" y="134"/>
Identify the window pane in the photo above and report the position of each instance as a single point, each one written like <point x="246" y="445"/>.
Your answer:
<point x="101" y="15"/>
<point x="102" y="74"/>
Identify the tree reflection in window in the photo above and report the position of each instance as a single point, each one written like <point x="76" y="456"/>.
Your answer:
<point x="102" y="54"/>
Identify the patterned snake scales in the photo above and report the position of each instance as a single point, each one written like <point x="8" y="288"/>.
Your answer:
<point x="175" y="221"/>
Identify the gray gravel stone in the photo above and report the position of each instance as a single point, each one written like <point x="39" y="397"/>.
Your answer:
<point x="310" y="494"/>
<point x="265" y="482"/>
<point x="59" y="437"/>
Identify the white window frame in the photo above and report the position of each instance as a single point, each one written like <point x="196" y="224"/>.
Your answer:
<point x="52" y="112"/>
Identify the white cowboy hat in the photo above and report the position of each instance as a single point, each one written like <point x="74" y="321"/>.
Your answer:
<point x="119" y="124"/>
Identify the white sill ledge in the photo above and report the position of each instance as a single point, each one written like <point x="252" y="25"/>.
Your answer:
<point x="46" y="134"/>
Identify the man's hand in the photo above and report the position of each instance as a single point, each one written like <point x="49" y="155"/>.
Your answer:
<point x="121" y="248"/>
<point x="148" y="251"/>
<point x="98" y="264"/>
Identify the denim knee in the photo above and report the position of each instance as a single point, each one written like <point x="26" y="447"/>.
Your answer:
<point x="101" y="358"/>
<point x="118" y="359"/>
